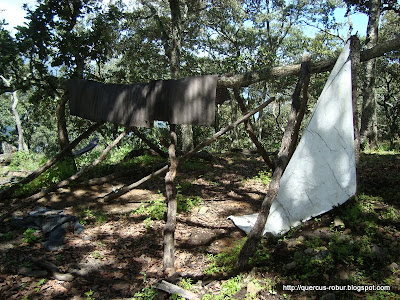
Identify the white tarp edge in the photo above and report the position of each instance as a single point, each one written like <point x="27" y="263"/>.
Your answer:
<point x="321" y="173"/>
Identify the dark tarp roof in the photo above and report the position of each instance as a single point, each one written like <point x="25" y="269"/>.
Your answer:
<point x="189" y="100"/>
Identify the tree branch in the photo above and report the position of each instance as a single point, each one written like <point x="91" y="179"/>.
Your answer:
<point x="248" y="78"/>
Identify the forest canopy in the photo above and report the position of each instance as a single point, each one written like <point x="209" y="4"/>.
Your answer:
<point x="131" y="43"/>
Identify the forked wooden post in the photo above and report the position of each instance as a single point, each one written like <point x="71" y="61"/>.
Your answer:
<point x="169" y="230"/>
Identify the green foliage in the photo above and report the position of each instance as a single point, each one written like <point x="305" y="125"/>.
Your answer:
<point x="264" y="177"/>
<point x="97" y="255"/>
<point x="147" y="293"/>
<point x="8" y="236"/>
<point x="87" y="215"/>
<point x="155" y="209"/>
<point x="89" y="295"/>
<point x="26" y="161"/>
<point x="228" y="289"/>
<point x="60" y="171"/>
<point x="186" y="204"/>
<point x="60" y="257"/>
<point x="39" y="284"/>
<point x="195" y="165"/>
<point x="29" y="236"/>
<point x="224" y="261"/>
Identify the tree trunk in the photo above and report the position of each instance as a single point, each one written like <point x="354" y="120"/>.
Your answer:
<point x="355" y="65"/>
<point x="187" y="155"/>
<point x="169" y="229"/>
<point x="249" y="128"/>
<point x="369" y="126"/>
<point x="21" y="141"/>
<point x="187" y="138"/>
<point x="255" y="234"/>
<point x="62" y="131"/>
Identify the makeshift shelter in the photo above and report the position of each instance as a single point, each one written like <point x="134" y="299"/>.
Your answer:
<point x="322" y="171"/>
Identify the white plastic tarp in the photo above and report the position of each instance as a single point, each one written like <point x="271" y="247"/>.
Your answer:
<point x="321" y="173"/>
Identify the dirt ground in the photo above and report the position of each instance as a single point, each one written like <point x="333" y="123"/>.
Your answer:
<point x="118" y="256"/>
<point x="120" y="252"/>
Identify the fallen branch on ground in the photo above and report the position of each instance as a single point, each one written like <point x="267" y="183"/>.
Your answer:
<point x="174" y="289"/>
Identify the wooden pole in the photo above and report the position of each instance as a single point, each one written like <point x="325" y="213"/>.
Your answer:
<point x="268" y="74"/>
<point x="149" y="143"/>
<point x="50" y="162"/>
<point x="255" y="234"/>
<point x="67" y="181"/>
<point x="249" y="128"/>
<point x="169" y="229"/>
<point x="207" y="142"/>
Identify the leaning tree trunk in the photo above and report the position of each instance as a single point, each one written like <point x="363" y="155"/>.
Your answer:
<point x="250" y="247"/>
<point x="21" y="141"/>
<point x="369" y="126"/>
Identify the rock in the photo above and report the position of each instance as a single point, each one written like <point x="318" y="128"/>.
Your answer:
<point x="63" y="277"/>
<point x="393" y="267"/>
<point x="344" y="238"/>
<point x="252" y="288"/>
<point x="291" y="265"/>
<point x="301" y="239"/>
<point x="241" y="294"/>
<point x="121" y="286"/>
<point x="322" y="253"/>
<point x="337" y="222"/>
<point x="203" y="210"/>
<point x="8" y="148"/>
<point x="329" y="296"/>
<point x="379" y="252"/>
<point x="343" y="275"/>
<point x="32" y="273"/>
<point x="291" y="243"/>
<point x="347" y="231"/>
<point x="309" y="251"/>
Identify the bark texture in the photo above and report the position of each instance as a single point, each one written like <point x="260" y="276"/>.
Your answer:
<point x="187" y="138"/>
<point x="355" y="65"/>
<point x="169" y="229"/>
<point x="62" y="131"/>
<point x="248" y="78"/>
<point x="21" y="141"/>
<point x="369" y="120"/>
